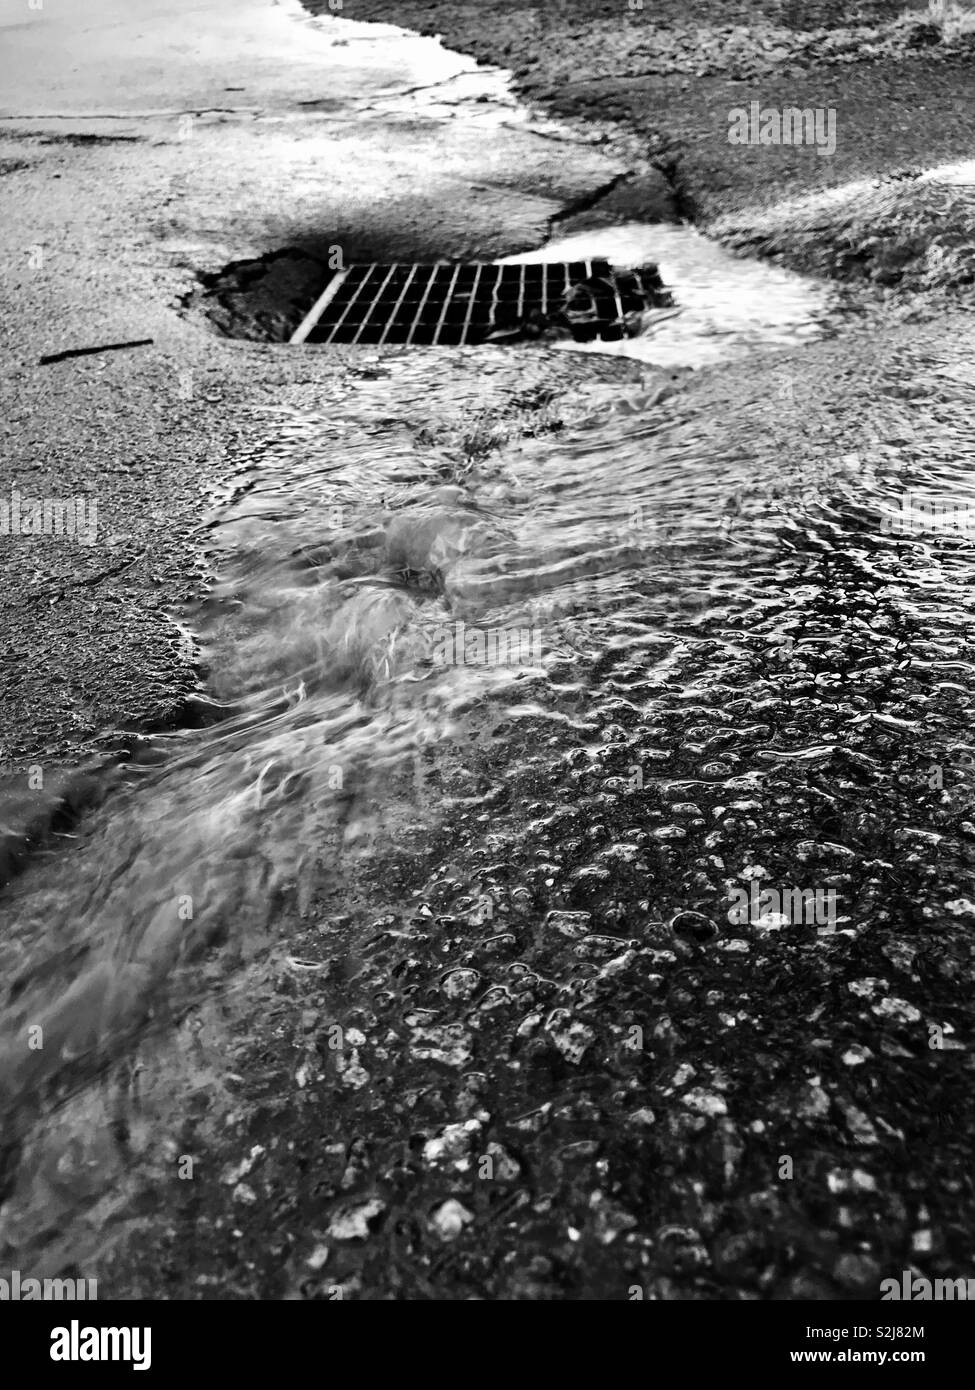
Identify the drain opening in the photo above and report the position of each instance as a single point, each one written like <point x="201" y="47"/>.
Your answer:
<point x="481" y="302"/>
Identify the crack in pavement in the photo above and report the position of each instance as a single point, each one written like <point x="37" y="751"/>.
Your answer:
<point x="586" y="201"/>
<point x="427" y="86"/>
<point x="88" y="581"/>
<point x="546" y="135"/>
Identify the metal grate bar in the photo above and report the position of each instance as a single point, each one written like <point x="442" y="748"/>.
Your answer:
<point x="620" y="315"/>
<point x="393" y="316"/>
<point x="345" y="313"/>
<point x="422" y="305"/>
<point x="446" y="305"/>
<point x="319" y="306"/>
<point x="470" y="307"/>
<point x="495" y="296"/>
<point x="375" y="302"/>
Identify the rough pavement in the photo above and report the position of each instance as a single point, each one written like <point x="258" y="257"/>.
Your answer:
<point x="667" y="74"/>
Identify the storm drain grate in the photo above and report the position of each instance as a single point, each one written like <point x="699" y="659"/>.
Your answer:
<point x="450" y="305"/>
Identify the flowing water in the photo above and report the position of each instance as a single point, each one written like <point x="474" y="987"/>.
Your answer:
<point x="726" y="306"/>
<point x="475" y="574"/>
<point x="688" y="599"/>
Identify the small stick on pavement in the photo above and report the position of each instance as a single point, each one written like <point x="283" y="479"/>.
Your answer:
<point x="87" y="351"/>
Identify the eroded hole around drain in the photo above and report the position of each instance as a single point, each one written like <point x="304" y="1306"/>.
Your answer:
<point x="294" y="296"/>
